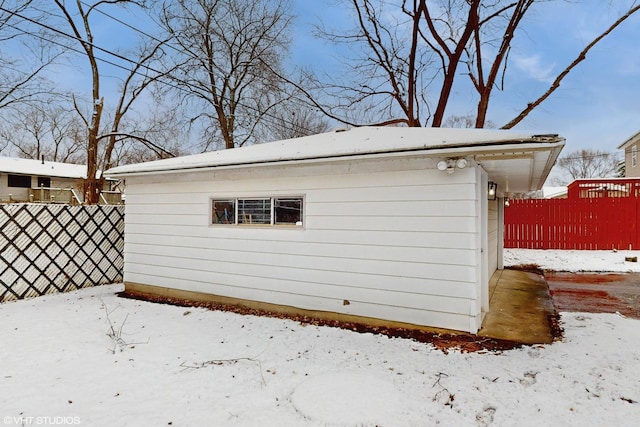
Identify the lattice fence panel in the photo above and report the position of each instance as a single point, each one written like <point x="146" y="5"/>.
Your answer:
<point x="58" y="248"/>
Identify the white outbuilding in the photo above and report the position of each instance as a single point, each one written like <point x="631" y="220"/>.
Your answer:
<point x="375" y="224"/>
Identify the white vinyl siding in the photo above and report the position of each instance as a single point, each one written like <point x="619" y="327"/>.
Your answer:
<point x="397" y="244"/>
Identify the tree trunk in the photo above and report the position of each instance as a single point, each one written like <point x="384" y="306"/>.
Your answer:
<point x="92" y="191"/>
<point x="454" y="60"/>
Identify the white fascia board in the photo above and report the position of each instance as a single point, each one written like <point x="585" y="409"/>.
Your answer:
<point x="457" y="150"/>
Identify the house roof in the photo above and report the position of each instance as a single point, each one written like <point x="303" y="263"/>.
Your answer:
<point x="554" y="192"/>
<point x="634" y="138"/>
<point x="33" y="167"/>
<point x="42" y="168"/>
<point x="517" y="161"/>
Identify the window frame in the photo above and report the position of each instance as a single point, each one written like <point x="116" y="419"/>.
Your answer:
<point x="634" y="156"/>
<point x="22" y="180"/>
<point x="274" y="205"/>
<point x="44" y="181"/>
<point x="248" y="207"/>
<point x="216" y="219"/>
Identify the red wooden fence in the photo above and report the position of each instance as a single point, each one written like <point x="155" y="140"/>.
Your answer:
<point x="591" y="218"/>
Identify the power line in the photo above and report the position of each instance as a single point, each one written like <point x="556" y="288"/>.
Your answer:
<point x="592" y="156"/>
<point x="126" y="24"/>
<point x="124" y="58"/>
<point x="106" y="61"/>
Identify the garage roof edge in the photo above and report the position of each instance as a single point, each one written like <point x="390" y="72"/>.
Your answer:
<point x="368" y="141"/>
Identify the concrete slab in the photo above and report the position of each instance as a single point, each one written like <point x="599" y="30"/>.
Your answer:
<point x="595" y="292"/>
<point x="520" y="308"/>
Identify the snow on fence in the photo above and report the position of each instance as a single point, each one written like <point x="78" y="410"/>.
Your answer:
<point x="48" y="248"/>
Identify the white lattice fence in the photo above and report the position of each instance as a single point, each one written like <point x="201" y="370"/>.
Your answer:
<point x="58" y="248"/>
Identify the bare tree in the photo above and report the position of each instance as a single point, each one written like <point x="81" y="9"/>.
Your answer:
<point x="158" y="135"/>
<point x="138" y="77"/>
<point x="577" y="60"/>
<point x="222" y="48"/>
<point x="587" y="163"/>
<point x="44" y="130"/>
<point x="81" y="29"/>
<point x="621" y="170"/>
<point x="467" y="121"/>
<point x="20" y="72"/>
<point x="294" y="120"/>
<point x="498" y="23"/>
<point x="403" y="71"/>
<point x="386" y="80"/>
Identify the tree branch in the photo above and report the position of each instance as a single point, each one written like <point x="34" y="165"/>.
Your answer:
<point x="581" y="57"/>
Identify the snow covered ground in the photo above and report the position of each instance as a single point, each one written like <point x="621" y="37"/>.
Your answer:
<point x="91" y="358"/>
<point x="574" y="260"/>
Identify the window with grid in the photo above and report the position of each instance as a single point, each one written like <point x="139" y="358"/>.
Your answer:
<point x="258" y="211"/>
<point x="254" y="211"/>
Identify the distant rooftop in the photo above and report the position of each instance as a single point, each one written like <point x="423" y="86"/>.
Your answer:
<point x="42" y="168"/>
<point x="553" y="192"/>
<point x="632" y="139"/>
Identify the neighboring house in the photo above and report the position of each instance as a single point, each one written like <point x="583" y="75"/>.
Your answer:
<point x="631" y="161"/>
<point x="597" y="188"/>
<point x="28" y="180"/>
<point x="374" y="224"/>
<point x="546" y="192"/>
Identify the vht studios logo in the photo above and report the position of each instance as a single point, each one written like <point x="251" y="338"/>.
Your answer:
<point x="40" y="421"/>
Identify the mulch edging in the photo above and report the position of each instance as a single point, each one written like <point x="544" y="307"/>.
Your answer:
<point x="464" y="342"/>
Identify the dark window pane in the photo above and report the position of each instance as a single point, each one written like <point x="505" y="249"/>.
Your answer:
<point x="21" y="181"/>
<point x="224" y="212"/>
<point x="288" y="210"/>
<point x="44" y="181"/>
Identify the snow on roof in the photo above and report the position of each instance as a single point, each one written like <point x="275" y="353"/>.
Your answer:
<point x="43" y="168"/>
<point x="354" y="142"/>
<point x="553" y="192"/>
<point x="607" y="187"/>
<point x="582" y="181"/>
<point x="40" y="168"/>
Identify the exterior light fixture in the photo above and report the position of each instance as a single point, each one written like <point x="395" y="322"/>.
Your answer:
<point x="492" y="190"/>
<point x="506" y="203"/>
<point x="442" y="165"/>
<point x="449" y="165"/>
<point x="462" y="163"/>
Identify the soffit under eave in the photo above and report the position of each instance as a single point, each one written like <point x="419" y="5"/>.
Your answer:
<point x="520" y="172"/>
